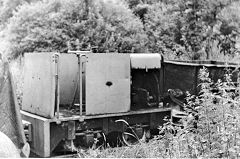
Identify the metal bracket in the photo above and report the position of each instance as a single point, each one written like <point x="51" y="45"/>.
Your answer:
<point x="81" y="60"/>
<point x="27" y="126"/>
<point x="57" y="91"/>
<point x="71" y="131"/>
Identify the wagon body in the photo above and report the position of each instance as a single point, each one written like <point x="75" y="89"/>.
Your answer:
<point x="184" y="75"/>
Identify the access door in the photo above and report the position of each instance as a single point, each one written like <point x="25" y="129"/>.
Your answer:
<point x="107" y="83"/>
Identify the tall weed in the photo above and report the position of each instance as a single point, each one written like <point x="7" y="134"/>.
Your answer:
<point x="212" y="126"/>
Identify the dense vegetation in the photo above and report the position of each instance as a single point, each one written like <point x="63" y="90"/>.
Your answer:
<point x="182" y="29"/>
<point x="211" y="130"/>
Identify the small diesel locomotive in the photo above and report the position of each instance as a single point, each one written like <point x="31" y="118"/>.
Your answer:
<point x="81" y="99"/>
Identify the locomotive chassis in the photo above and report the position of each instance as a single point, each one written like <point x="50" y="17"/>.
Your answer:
<point x="47" y="133"/>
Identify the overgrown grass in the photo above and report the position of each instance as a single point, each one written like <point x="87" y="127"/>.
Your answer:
<point x="211" y="129"/>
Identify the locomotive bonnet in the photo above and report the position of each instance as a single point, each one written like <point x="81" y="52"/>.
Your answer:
<point x="101" y="83"/>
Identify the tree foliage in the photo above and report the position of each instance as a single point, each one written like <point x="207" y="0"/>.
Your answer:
<point x="179" y="29"/>
<point x="60" y="25"/>
<point x="191" y="27"/>
<point x="7" y="8"/>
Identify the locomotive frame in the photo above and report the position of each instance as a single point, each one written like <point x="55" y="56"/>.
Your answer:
<point x="47" y="133"/>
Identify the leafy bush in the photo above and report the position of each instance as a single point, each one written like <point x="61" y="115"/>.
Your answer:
<point x="60" y="25"/>
<point x="212" y="127"/>
<point x="217" y="106"/>
<point x="180" y="29"/>
<point x="192" y="29"/>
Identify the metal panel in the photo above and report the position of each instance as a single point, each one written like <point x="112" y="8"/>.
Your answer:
<point x="180" y="77"/>
<point x="68" y="77"/>
<point x="39" y="84"/>
<point x="145" y="61"/>
<point x="184" y="75"/>
<point x="107" y="83"/>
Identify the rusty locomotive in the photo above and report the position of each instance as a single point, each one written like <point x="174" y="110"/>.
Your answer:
<point x="72" y="99"/>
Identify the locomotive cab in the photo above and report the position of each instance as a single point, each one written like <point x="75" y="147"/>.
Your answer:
<point x="145" y="75"/>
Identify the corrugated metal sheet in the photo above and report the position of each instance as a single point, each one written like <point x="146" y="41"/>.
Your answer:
<point x="145" y="61"/>
<point x="11" y="122"/>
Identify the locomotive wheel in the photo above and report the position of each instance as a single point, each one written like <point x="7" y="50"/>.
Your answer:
<point x="129" y="138"/>
<point x="99" y="141"/>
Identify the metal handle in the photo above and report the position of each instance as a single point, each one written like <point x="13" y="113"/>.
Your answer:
<point x="56" y="56"/>
<point x="80" y="65"/>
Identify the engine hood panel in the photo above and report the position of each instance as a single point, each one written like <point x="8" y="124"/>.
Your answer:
<point x="145" y="61"/>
